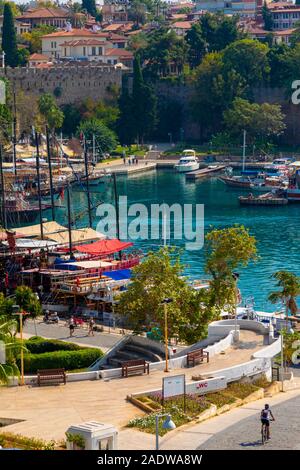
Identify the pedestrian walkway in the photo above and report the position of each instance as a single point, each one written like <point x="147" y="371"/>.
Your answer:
<point x="238" y="429"/>
<point x="49" y="411"/>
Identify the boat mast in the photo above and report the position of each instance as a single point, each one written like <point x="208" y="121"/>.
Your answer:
<point x="14" y="132"/>
<point x="38" y="181"/>
<point x="244" y="149"/>
<point x="87" y="183"/>
<point x="3" y="208"/>
<point x="116" y="205"/>
<point x="50" y="172"/>
<point x="69" y="218"/>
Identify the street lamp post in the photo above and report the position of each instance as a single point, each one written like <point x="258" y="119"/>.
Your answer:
<point x="17" y="311"/>
<point x="165" y="302"/>
<point x="235" y="277"/>
<point x="168" y="424"/>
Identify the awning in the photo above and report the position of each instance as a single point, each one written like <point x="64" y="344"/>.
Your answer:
<point x="28" y="243"/>
<point x="104" y="247"/>
<point x="90" y="264"/>
<point x="77" y="235"/>
<point x="119" y="275"/>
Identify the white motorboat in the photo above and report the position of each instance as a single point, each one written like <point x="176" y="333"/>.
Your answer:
<point x="187" y="162"/>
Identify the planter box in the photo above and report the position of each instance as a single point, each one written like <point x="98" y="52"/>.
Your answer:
<point x="144" y="406"/>
<point x="257" y="395"/>
<point x="272" y="389"/>
<point x="229" y="406"/>
<point x="209" y="413"/>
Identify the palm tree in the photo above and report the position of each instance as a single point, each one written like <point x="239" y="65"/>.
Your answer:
<point x="8" y="341"/>
<point x="290" y="289"/>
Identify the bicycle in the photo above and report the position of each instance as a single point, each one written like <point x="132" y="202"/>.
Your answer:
<point x="264" y="433"/>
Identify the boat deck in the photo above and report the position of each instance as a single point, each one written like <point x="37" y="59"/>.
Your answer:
<point x="204" y="172"/>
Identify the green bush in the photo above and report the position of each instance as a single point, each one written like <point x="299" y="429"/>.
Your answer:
<point x="67" y="360"/>
<point x="41" y="345"/>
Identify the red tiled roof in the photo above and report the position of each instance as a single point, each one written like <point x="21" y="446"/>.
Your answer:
<point x="119" y="53"/>
<point x="45" y="13"/>
<point x="85" y="42"/>
<point x="36" y="56"/>
<point x="182" y="25"/>
<point x="75" y="32"/>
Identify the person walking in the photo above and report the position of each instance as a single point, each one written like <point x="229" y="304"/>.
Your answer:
<point x="91" y="326"/>
<point x="71" y="326"/>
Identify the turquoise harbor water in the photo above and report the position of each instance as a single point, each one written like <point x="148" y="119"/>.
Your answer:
<point x="277" y="229"/>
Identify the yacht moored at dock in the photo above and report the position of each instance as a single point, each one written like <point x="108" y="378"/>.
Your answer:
<point x="187" y="162"/>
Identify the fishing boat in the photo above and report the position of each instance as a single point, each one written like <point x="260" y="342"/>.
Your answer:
<point x="269" y="199"/>
<point x="19" y="210"/>
<point x="187" y="162"/>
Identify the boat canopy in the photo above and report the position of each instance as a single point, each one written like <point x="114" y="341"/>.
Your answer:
<point x="72" y="265"/>
<point x="119" y="275"/>
<point x="79" y="235"/>
<point x="59" y="234"/>
<point x="31" y="244"/>
<point x="104" y="247"/>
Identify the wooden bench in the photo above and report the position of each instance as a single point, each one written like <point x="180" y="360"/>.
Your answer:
<point x="51" y="376"/>
<point x="198" y="355"/>
<point x="135" y="366"/>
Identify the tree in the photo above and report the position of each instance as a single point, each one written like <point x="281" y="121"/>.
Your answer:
<point x="267" y="17"/>
<point x="197" y="45"/>
<point x="28" y="301"/>
<point x="51" y="112"/>
<point x="289" y="284"/>
<point x="215" y="91"/>
<point x="34" y="38"/>
<point x="164" y="53"/>
<point x="144" y="100"/>
<point x="9" y="39"/>
<point x="227" y="250"/>
<point x="249" y="58"/>
<point x="14" y="8"/>
<point x="219" y="30"/>
<point x="159" y="276"/>
<point x="72" y="118"/>
<point x="106" y="139"/>
<point x="126" y="122"/>
<point x="137" y="12"/>
<point x="90" y="7"/>
<point x="261" y="122"/>
<point x="8" y="330"/>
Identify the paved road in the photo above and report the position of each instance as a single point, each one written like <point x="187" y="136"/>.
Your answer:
<point x="245" y="435"/>
<point x="101" y="340"/>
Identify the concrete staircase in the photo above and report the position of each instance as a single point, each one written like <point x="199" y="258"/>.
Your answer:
<point x="130" y="348"/>
<point x="152" y="155"/>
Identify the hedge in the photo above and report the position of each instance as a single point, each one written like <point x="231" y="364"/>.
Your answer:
<point x="69" y="360"/>
<point x="39" y="345"/>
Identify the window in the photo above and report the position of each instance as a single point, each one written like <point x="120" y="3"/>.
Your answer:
<point x="84" y="51"/>
<point x="65" y="52"/>
<point x="93" y="51"/>
<point x="99" y="50"/>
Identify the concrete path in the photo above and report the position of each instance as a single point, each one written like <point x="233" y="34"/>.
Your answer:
<point x="48" y="411"/>
<point x="103" y="341"/>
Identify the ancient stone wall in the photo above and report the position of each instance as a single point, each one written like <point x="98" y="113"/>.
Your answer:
<point x="69" y="84"/>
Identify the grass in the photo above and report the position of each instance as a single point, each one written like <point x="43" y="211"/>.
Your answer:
<point x="241" y="390"/>
<point x="195" y="404"/>
<point x="10" y="440"/>
<point x="220" y="398"/>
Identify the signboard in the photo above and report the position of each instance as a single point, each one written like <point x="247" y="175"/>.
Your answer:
<point x="2" y="353"/>
<point x="204" y="386"/>
<point x="2" y="92"/>
<point x="173" y="386"/>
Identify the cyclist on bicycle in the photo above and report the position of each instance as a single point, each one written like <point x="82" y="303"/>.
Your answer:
<point x="265" y="417"/>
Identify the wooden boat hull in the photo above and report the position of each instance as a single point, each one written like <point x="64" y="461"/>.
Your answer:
<point x="234" y="183"/>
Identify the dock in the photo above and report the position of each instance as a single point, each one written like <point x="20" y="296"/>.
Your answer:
<point x="204" y="172"/>
<point x="141" y="167"/>
<point x="265" y="200"/>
